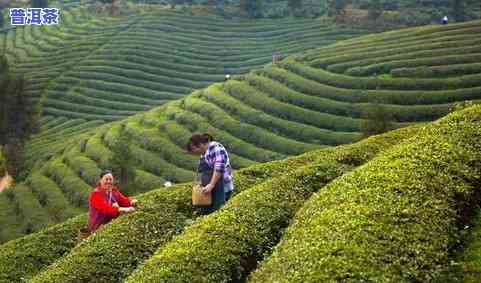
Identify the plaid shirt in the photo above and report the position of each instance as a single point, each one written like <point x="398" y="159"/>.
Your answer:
<point x="216" y="157"/>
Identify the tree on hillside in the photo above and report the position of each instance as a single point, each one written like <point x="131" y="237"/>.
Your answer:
<point x="294" y="5"/>
<point x="176" y="2"/>
<point x="375" y="9"/>
<point x="18" y="117"/>
<point x="3" y="164"/>
<point x="123" y="160"/>
<point x="252" y="8"/>
<point x="113" y="6"/>
<point x="377" y="120"/>
<point x="335" y="8"/>
<point x="15" y="158"/>
<point x="460" y="8"/>
<point x="1" y="17"/>
<point x="18" y="114"/>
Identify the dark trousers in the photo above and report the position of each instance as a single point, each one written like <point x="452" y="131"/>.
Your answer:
<point x="218" y="195"/>
<point x="228" y="195"/>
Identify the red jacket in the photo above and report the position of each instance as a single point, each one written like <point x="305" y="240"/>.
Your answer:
<point x="101" y="209"/>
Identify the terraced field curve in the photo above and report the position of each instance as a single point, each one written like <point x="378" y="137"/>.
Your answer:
<point x="92" y="70"/>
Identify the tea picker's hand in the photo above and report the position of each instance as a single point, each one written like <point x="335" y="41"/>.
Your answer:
<point x="133" y="202"/>
<point x="207" y="189"/>
<point x="127" y="209"/>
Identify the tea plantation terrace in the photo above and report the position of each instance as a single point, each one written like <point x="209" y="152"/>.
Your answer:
<point x="268" y="114"/>
<point x="417" y="179"/>
<point x="94" y="69"/>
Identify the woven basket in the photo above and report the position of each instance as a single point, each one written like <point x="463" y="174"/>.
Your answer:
<point x="199" y="198"/>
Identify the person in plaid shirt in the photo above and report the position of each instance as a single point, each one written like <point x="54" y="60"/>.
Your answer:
<point x="214" y="156"/>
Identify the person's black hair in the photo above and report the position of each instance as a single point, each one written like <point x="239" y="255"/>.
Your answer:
<point x="105" y="172"/>
<point x="198" y="139"/>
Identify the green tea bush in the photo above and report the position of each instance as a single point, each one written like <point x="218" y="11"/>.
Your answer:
<point x="287" y="95"/>
<point x="222" y="246"/>
<point x="289" y="112"/>
<point x="158" y="166"/>
<point x="73" y="187"/>
<point x="438" y="71"/>
<point x="392" y="219"/>
<point x="443" y="59"/>
<point x="152" y="202"/>
<point x="466" y="266"/>
<point x="22" y="258"/>
<point x="97" y="151"/>
<point x="344" y="81"/>
<point x="225" y="246"/>
<point x="28" y="209"/>
<point x="286" y="127"/>
<point x="83" y="166"/>
<point x="419" y="49"/>
<point x="152" y="140"/>
<point x="50" y="197"/>
<point x="9" y="221"/>
<point x="251" y="133"/>
<point x="196" y="123"/>
<point x="145" y="181"/>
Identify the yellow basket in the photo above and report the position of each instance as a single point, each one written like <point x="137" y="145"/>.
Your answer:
<point x="199" y="198"/>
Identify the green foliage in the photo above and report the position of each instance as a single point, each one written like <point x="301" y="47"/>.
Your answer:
<point x="156" y="203"/>
<point x="392" y="219"/>
<point x="84" y="263"/>
<point x="305" y="102"/>
<point x="73" y="187"/>
<point x="375" y="9"/>
<point x="17" y="112"/>
<point x="256" y="135"/>
<point x="294" y="5"/>
<point x="108" y="86"/>
<point x="123" y="159"/>
<point x="249" y="225"/>
<point x="285" y="125"/>
<point x="239" y="234"/>
<point x="50" y="197"/>
<point x="17" y="119"/>
<point x="14" y="158"/>
<point x="28" y="209"/>
<point x="466" y="265"/>
<point x="251" y="8"/>
<point x="25" y="257"/>
<point x="377" y="120"/>
<point x="145" y="181"/>
<point x="335" y="8"/>
<point x="9" y="221"/>
<point x="84" y="167"/>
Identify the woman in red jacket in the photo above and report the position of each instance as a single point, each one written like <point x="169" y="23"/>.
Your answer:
<point x="106" y="202"/>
